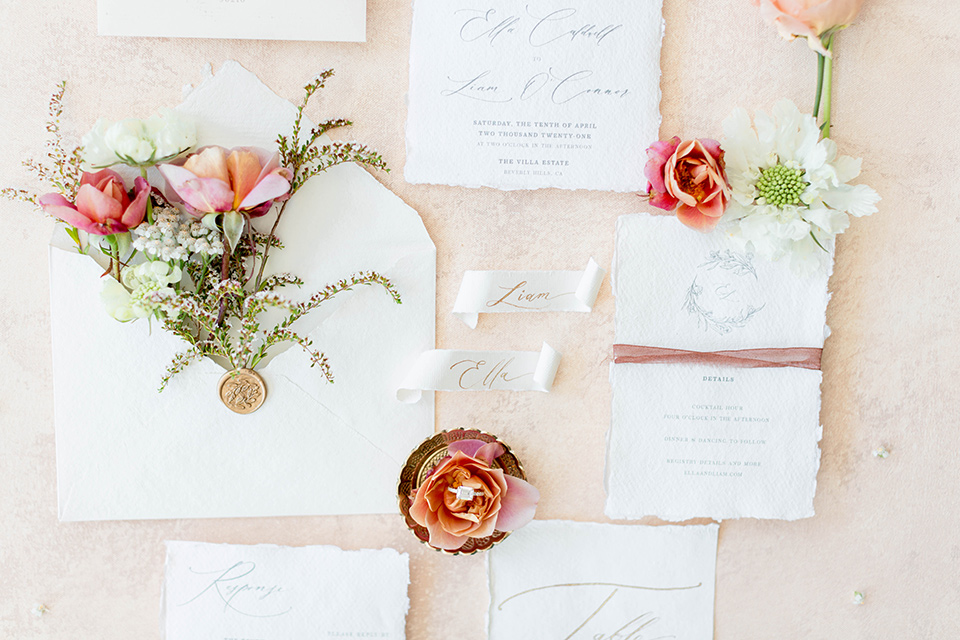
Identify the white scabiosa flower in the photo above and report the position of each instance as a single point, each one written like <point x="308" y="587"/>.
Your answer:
<point x="790" y="191"/>
<point x="138" y="143"/>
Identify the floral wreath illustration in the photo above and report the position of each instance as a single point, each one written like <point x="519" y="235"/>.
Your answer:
<point x="738" y="265"/>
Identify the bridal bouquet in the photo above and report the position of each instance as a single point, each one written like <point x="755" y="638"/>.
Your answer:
<point x="186" y="252"/>
<point x="777" y="186"/>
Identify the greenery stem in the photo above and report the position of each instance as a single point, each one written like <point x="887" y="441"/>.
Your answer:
<point x="224" y="274"/>
<point x="143" y="174"/>
<point x="266" y="249"/>
<point x="827" y="87"/>
<point x="114" y="257"/>
<point x="816" y="102"/>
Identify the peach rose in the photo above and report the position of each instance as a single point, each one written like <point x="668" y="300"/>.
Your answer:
<point x="808" y="19"/>
<point x="688" y="177"/>
<point x="464" y="497"/>
<point x="216" y="180"/>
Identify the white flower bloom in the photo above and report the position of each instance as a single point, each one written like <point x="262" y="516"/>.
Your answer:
<point x="159" y="138"/>
<point x="790" y="195"/>
<point x="134" y="298"/>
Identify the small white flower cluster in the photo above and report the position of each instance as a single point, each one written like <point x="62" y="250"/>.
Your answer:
<point x="172" y="237"/>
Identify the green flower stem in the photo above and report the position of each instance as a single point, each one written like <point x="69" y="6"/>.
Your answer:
<point x="114" y="257"/>
<point x="816" y="102"/>
<point x="827" y="87"/>
<point x="143" y="174"/>
<point x="224" y="275"/>
<point x="266" y="249"/>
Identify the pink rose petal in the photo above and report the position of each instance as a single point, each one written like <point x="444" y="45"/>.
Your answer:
<point x="467" y="447"/>
<point x="271" y="187"/>
<point x="96" y="205"/>
<point x="517" y="505"/>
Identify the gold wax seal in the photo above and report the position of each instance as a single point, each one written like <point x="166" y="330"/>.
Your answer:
<point x="242" y="390"/>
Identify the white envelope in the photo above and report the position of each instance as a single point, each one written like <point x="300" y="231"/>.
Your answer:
<point x="125" y="451"/>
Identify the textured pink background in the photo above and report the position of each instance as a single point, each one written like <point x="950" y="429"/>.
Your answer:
<point x="885" y="527"/>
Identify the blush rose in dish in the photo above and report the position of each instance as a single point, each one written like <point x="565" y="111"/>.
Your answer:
<point x="466" y="496"/>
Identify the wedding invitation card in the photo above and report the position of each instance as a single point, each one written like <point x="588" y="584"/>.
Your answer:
<point x="525" y="94"/>
<point x="695" y="436"/>
<point x="555" y="579"/>
<point x="329" y="20"/>
<point x="266" y="592"/>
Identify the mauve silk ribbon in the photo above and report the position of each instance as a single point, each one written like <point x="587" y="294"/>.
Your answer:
<point x="802" y="357"/>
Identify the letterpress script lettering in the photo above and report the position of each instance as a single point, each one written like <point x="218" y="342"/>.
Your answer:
<point x="533" y="93"/>
<point x="483" y="374"/>
<point x="589" y="622"/>
<point x="520" y="297"/>
<point x="237" y="589"/>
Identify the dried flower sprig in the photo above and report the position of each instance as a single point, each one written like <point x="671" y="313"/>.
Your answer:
<point x="65" y="168"/>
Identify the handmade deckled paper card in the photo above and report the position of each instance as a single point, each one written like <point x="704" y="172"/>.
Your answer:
<point x="698" y="436"/>
<point x="125" y="451"/>
<point x="329" y="20"/>
<point x="556" y="579"/>
<point x="214" y="591"/>
<point x="520" y="94"/>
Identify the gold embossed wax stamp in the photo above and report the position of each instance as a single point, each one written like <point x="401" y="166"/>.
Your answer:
<point x="242" y="390"/>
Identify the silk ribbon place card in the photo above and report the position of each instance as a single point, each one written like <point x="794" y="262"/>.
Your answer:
<point x="555" y="579"/>
<point x="716" y="380"/>
<point x="526" y="291"/>
<point x="520" y="94"/>
<point x="329" y="20"/>
<point x="223" y="591"/>
<point x="455" y="370"/>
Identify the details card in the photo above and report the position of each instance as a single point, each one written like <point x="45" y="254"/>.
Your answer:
<point x="223" y="592"/>
<point x="555" y="579"/>
<point x="697" y="438"/>
<point x="525" y="94"/>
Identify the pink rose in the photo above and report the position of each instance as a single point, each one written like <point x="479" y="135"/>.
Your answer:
<point x="808" y="19"/>
<point x="688" y="177"/>
<point x="464" y="497"/>
<point x="216" y="180"/>
<point x="103" y="206"/>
